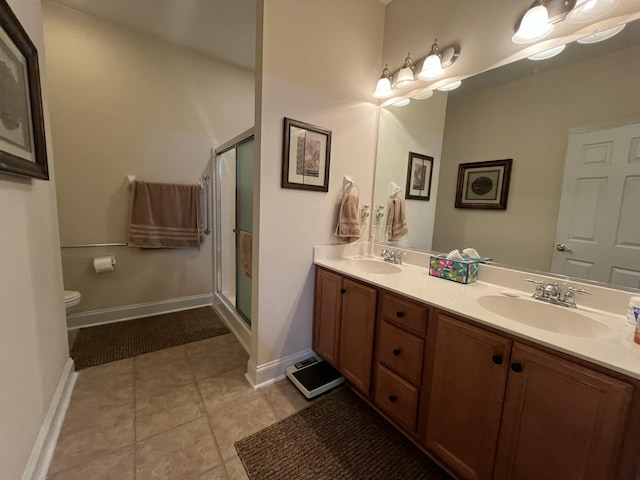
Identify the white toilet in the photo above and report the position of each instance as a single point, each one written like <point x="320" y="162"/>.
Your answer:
<point x="71" y="299"/>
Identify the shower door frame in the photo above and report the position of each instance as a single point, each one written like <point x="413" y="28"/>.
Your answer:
<point x="219" y="151"/>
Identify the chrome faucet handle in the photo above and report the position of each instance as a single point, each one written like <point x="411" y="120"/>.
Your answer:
<point x="570" y="297"/>
<point x="398" y="256"/>
<point x="539" y="286"/>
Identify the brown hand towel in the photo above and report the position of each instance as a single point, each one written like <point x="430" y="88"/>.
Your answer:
<point x="348" y="229"/>
<point x="246" y="249"/>
<point x="397" y="219"/>
<point x="165" y="215"/>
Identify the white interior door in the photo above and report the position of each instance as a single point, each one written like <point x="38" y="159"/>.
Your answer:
<point x="598" y="229"/>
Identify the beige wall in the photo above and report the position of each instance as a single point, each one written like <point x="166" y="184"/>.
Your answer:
<point x="528" y="121"/>
<point x="126" y="103"/>
<point x="316" y="58"/>
<point x="33" y="343"/>
<point x="419" y="128"/>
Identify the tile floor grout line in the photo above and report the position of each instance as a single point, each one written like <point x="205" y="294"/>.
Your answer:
<point x="215" y="439"/>
<point x="135" y="417"/>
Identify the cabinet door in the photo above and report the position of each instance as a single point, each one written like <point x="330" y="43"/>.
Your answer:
<point x="560" y="420"/>
<point x="356" y="334"/>
<point x="326" y="315"/>
<point x="468" y="380"/>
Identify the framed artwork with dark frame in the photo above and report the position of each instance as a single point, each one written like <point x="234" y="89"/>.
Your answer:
<point x="419" y="173"/>
<point x="22" y="141"/>
<point x="306" y="155"/>
<point x="483" y="185"/>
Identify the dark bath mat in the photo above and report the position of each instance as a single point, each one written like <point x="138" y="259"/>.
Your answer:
<point x="115" y="341"/>
<point x="338" y="438"/>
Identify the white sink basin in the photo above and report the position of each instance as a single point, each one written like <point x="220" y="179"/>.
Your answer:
<point x="369" y="265"/>
<point x="552" y="318"/>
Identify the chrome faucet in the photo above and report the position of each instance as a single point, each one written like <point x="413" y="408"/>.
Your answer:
<point x="552" y="293"/>
<point x="392" y="257"/>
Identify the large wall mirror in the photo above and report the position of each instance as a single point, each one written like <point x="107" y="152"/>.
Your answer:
<point x="580" y="108"/>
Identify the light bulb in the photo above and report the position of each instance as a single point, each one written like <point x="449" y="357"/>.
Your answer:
<point x="534" y="25"/>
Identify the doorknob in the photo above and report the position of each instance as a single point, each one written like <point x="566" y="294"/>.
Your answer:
<point x="561" y="247"/>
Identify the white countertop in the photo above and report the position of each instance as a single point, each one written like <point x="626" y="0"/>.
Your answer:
<point x="618" y="353"/>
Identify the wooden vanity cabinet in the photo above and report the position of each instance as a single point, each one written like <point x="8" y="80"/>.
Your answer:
<point x="399" y="358"/>
<point x="469" y="372"/>
<point x="559" y="419"/>
<point x="482" y="402"/>
<point x="499" y="409"/>
<point x="327" y="311"/>
<point x="344" y="324"/>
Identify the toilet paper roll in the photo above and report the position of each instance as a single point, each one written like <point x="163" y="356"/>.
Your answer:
<point x="104" y="264"/>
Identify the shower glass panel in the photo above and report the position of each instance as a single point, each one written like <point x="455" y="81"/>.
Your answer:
<point x="234" y="223"/>
<point x="244" y="226"/>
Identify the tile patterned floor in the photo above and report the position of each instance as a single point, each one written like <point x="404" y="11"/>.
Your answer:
<point x="171" y="414"/>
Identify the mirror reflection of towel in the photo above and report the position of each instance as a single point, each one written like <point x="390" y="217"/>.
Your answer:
<point x="397" y="219"/>
<point x="246" y="250"/>
<point x="348" y="229"/>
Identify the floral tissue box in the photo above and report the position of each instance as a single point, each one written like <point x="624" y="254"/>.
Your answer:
<point x="454" y="270"/>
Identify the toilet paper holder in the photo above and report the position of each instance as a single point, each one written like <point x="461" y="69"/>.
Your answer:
<point x="104" y="264"/>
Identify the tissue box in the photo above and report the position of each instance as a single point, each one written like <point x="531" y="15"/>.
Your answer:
<point x="454" y="270"/>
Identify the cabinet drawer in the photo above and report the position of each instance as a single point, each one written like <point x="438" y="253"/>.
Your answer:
<point x="396" y="397"/>
<point x="401" y="352"/>
<point x="407" y="314"/>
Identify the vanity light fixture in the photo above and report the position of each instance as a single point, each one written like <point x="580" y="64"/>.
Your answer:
<point x="383" y="88"/>
<point x="405" y="75"/>
<point x="597" y="36"/>
<point x="450" y="86"/>
<point x="402" y="103"/>
<point x="534" y="25"/>
<point x="423" y="95"/>
<point x="552" y="52"/>
<point x="588" y="10"/>
<point x="432" y="66"/>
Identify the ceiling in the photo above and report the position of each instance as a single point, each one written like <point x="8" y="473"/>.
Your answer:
<point x="224" y="29"/>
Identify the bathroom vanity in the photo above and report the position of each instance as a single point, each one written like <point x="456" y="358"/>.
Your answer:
<point x="485" y="397"/>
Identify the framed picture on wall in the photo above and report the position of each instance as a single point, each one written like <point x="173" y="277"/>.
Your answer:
<point x="483" y="185"/>
<point x="22" y="141"/>
<point x="306" y="155"/>
<point x="419" y="173"/>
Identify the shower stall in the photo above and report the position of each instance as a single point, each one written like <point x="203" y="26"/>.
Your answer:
<point x="234" y="223"/>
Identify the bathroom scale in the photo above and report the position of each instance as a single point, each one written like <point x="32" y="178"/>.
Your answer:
<point x="313" y="376"/>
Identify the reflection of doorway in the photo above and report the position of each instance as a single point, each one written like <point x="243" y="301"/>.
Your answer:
<point x="598" y="229"/>
<point x="234" y="223"/>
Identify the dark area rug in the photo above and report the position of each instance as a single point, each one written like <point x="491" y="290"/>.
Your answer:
<point x="115" y="341"/>
<point x="338" y="438"/>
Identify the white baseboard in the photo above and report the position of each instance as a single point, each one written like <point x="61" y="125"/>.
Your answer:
<point x="234" y="322"/>
<point x="42" y="451"/>
<point x="129" y="312"/>
<point x="262" y="375"/>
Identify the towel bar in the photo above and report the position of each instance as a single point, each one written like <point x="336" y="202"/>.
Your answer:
<point x="86" y="245"/>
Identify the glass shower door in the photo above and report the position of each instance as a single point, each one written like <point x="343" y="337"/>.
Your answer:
<point x="234" y="223"/>
<point x="244" y="227"/>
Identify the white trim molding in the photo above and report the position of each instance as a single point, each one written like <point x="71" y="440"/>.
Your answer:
<point x="262" y="375"/>
<point x="42" y="452"/>
<point x="233" y="321"/>
<point x="129" y="312"/>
